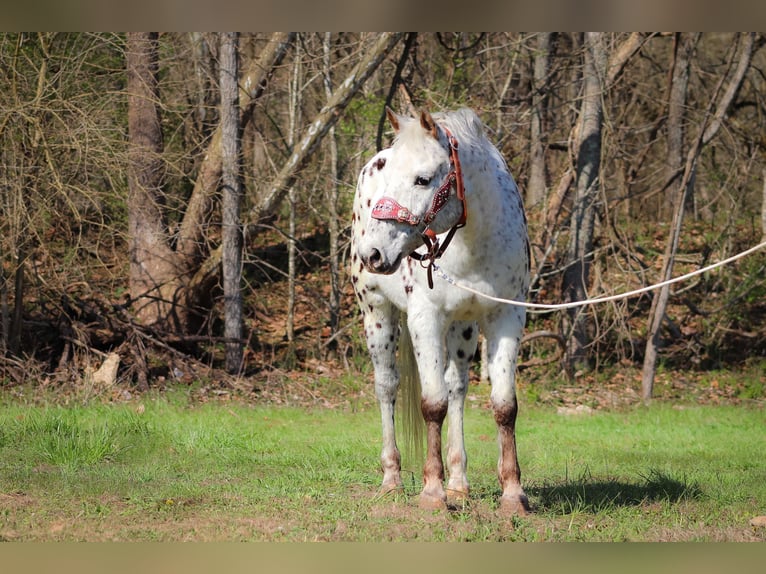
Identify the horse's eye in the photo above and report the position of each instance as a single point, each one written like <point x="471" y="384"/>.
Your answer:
<point x="422" y="181"/>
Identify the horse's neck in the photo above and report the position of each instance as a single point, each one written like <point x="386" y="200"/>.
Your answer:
<point x="484" y="200"/>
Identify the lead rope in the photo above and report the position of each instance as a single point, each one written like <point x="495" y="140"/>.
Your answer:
<point x="605" y="299"/>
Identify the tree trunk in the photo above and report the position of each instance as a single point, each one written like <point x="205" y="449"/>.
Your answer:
<point x="537" y="183"/>
<point x="683" y="48"/>
<point x="14" y="339"/>
<point x="707" y="133"/>
<point x="156" y="271"/>
<point x="294" y="107"/>
<point x="231" y="201"/>
<point x="580" y="256"/>
<point x="763" y="208"/>
<point x="332" y="202"/>
<point x="204" y="88"/>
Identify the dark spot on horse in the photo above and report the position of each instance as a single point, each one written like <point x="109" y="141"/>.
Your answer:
<point x="391" y="338"/>
<point x="408" y="289"/>
<point x="460" y="354"/>
<point x="380" y="163"/>
<point x="378" y="326"/>
<point x="354" y="278"/>
<point x="468" y="333"/>
<point x="370" y="307"/>
<point x="369" y="202"/>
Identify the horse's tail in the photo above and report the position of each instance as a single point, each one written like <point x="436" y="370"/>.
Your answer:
<point x="410" y="414"/>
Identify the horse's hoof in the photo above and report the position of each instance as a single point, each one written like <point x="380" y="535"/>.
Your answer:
<point x="514" y="506"/>
<point x="389" y="488"/>
<point x="457" y="497"/>
<point x="431" y="502"/>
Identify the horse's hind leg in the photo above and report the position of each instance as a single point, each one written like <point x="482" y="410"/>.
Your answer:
<point x="503" y="334"/>
<point x="462" y="339"/>
<point x="381" y="327"/>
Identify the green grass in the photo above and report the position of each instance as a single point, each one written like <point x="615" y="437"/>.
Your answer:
<point x="179" y="471"/>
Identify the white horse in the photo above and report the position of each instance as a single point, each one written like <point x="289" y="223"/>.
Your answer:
<point x="442" y="190"/>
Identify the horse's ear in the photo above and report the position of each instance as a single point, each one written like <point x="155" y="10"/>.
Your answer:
<point x="428" y="123"/>
<point x="393" y="118"/>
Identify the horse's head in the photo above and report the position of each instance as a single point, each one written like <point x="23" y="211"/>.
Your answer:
<point x="419" y="196"/>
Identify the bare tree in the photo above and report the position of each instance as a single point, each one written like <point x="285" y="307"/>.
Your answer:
<point x="683" y="49"/>
<point x="256" y="74"/>
<point x="311" y="137"/>
<point x="580" y="251"/>
<point x="231" y="184"/>
<point x="332" y="196"/>
<point x="763" y="207"/>
<point x="161" y="265"/>
<point x="156" y="271"/>
<point x="708" y="130"/>
<point x="294" y="113"/>
<point x="538" y="180"/>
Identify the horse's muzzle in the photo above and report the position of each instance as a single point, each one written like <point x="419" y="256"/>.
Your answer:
<point x="375" y="262"/>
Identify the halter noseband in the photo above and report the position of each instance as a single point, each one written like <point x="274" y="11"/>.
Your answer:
<point x="387" y="208"/>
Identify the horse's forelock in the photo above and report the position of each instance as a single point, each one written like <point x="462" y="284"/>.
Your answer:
<point x="409" y="130"/>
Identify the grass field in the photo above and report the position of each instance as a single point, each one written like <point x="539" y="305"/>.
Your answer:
<point x="167" y="469"/>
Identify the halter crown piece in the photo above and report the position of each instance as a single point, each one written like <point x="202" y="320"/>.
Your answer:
<point x="387" y="208"/>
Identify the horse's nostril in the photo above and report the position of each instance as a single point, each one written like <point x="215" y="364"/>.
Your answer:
<point x="375" y="257"/>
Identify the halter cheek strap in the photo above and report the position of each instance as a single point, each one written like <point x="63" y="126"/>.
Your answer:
<point x="387" y="208"/>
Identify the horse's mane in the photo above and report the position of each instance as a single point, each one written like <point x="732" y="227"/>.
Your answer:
<point x="464" y="124"/>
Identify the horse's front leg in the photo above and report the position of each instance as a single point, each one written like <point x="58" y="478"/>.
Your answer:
<point x="503" y="336"/>
<point x="381" y="328"/>
<point x="428" y="332"/>
<point x="462" y="339"/>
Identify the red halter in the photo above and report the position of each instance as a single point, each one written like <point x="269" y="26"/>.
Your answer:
<point x="388" y="208"/>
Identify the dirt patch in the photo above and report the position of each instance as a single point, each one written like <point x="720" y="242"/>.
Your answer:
<point x="15" y="500"/>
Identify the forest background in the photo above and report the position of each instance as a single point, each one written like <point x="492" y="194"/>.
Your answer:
<point x="129" y="236"/>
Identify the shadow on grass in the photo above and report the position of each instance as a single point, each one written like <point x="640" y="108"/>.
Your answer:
<point x="588" y="495"/>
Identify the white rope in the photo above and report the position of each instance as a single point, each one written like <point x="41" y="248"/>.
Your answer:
<point x="605" y="299"/>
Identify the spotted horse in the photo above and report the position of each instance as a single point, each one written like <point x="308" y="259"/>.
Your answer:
<point x="441" y="191"/>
